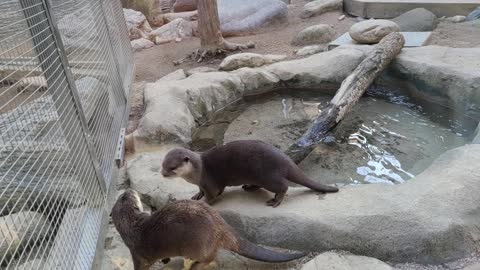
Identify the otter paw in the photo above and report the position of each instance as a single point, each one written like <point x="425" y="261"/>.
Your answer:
<point x="273" y="202"/>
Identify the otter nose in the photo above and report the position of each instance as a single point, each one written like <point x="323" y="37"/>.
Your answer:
<point x="164" y="173"/>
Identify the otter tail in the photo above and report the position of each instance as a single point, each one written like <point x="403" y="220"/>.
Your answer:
<point x="252" y="251"/>
<point x="297" y="176"/>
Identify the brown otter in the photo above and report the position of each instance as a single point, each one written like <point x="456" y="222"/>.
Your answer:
<point x="184" y="228"/>
<point x="253" y="164"/>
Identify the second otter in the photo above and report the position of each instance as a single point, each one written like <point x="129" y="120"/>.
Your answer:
<point x="253" y="164"/>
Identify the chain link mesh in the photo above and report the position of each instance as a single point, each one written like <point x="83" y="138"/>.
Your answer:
<point x="65" y="71"/>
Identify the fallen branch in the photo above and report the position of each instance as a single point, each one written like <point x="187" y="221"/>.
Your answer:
<point x="350" y="92"/>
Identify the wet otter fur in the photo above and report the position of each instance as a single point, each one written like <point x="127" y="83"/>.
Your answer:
<point x="190" y="229"/>
<point x="253" y="164"/>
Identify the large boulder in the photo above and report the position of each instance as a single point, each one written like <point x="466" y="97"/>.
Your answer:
<point x="372" y="31"/>
<point x="178" y="28"/>
<point x="319" y="7"/>
<point x="141" y="44"/>
<point x="447" y="76"/>
<point x="137" y="24"/>
<point x="474" y="15"/>
<point x="339" y="261"/>
<point x="416" y="20"/>
<point x="315" y="34"/>
<point x="21" y="230"/>
<point x="252" y="60"/>
<point x="242" y="16"/>
<point x="174" y="108"/>
<point x="431" y="219"/>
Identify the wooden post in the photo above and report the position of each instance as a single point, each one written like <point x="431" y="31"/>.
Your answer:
<point x="350" y="92"/>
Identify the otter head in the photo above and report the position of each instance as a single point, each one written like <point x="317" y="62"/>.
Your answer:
<point x="129" y="199"/>
<point x="180" y="162"/>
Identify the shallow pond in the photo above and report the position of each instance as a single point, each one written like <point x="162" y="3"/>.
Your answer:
<point x="386" y="138"/>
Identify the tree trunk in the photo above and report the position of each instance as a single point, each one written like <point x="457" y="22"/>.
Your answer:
<point x="350" y="92"/>
<point x="211" y="38"/>
<point x="209" y="25"/>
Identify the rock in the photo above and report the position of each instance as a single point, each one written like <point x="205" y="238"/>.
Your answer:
<point x="472" y="267"/>
<point x="188" y="16"/>
<point x="140" y="44"/>
<point x="309" y="50"/>
<point x="372" y="31"/>
<point x="158" y="40"/>
<point x="184" y="5"/>
<point x="416" y="20"/>
<point x="200" y="70"/>
<point x="178" y="28"/>
<point x="207" y="137"/>
<point x="447" y="76"/>
<point x="315" y="34"/>
<point x="243" y="16"/>
<point x="137" y="24"/>
<point x="477" y="137"/>
<point x="339" y="261"/>
<point x="341" y="17"/>
<point x="474" y="15"/>
<point x="21" y="230"/>
<point x="456" y="19"/>
<point x="174" y="108"/>
<point x="319" y="7"/>
<point x="240" y="60"/>
<point x="428" y="219"/>
<point x="178" y="74"/>
<point x="32" y="84"/>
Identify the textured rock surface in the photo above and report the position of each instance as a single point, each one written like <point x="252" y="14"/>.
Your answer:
<point x="251" y="60"/>
<point x="456" y="19"/>
<point x="178" y="28"/>
<point x="431" y="219"/>
<point x="200" y="70"/>
<point x="474" y="15"/>
<point x="339" y="261"/>
<point x="447" y="76"/>
<point x="137" y="24"/>
<point x="315" y="34"/>
<point x="309" y="50"/>
<point x="173" y="108"/>
<point x="416" y="20"/>
<point x="240" y="16"/>
<point x="141" y="44"/>
<point x="20" y="230"/>
<point x="184" y="5"/>
<point x="319" y="7"/>
<point x="477" y="137"/>
<point x="178" y="74"/>
<point x="372" y="31"/>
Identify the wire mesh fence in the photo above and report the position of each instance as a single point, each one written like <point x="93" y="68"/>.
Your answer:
<point x="65" y="71"/>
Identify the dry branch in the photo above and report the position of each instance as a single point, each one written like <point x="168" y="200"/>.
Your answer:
<point x="350" y="92"/>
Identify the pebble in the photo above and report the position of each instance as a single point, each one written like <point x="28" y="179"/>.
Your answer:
<point x="341" y="17"/>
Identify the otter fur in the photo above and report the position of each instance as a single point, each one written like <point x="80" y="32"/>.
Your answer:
<point x="190" y="229"/>
<point x="253" y="164"/>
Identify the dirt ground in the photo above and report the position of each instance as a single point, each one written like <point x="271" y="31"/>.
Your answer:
<point x="156" y="62"/>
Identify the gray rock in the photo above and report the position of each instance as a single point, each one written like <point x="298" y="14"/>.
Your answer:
<point x="315" y="34"/>
<point x="472" y="267"/>
<point x="409" y="222"/>
<point x="309" y="50"/>
<point x="339" y="261"/>
<point x="372" y="31"/>
<point x="474" y="15"/>
<point x="477" y="137"/>
<point x="252" y="60"/>
<point x="416" y="20"/>
<point x="456" y="19"/>
<point x="178" y="74"/>
<point x="243" y="16"/>
<point x="319" y="7"/>
<point x="173" y="108"/>
<point x="137" y="24"/>
<point x="200" y="70"/>
<point x="178" y="28"/>
<point x="141" y="44"/>
<point x="21" y="230"/>
<point x="209" y="136"/>
<point x="448" y="76"/>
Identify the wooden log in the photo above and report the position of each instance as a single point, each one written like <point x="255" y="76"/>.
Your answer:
<point x="350" y="92"/>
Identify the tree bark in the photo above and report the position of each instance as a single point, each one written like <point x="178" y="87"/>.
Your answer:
<point x="350" y="92"/>
<point x="211" y="39"/>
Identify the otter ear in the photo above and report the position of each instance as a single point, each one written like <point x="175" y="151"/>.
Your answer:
<point x="186" y="159"/>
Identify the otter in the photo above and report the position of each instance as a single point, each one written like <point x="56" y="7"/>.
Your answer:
<point x="253" y="164"/>
<point x="191" y="229"/>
